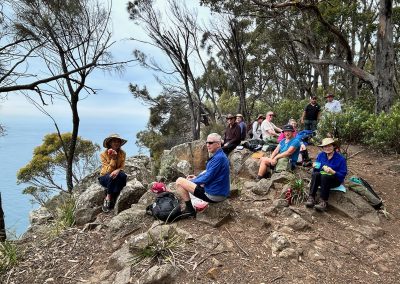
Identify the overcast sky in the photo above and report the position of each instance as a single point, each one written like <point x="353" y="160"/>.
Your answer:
<point x="113" y="95"/>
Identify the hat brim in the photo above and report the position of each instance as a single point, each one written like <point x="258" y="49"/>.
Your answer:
<point x="334" y="143"/>
<point x="107" y="141"/>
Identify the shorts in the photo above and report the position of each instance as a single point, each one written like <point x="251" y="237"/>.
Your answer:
<point x="200" y="193"/>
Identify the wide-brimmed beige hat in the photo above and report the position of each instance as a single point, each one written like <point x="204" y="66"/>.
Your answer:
<point x="327" y="141"/>
<point x="239" y="115"/>
<point x="106" y="141"/>
<point x="260" y="116"/>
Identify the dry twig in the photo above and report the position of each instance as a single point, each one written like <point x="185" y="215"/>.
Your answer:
<point x="236" y="242"/>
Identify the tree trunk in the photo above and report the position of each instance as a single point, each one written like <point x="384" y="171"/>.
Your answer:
<point x="3" y="235"/>
<point x="74" y="136"/>
<point x="384" y="60"/>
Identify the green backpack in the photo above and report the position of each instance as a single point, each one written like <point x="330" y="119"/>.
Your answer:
<point x="363" y="188"/>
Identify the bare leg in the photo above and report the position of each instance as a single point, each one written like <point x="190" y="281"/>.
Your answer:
<point x="264" y="165"/>
<point x="183" y="187"/>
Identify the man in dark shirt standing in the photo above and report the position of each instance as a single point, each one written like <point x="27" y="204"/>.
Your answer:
<point x="311" y="114"/>
<point x="232" y="135"/>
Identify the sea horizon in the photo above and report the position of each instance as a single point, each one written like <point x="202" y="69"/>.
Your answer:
<point x="24" y="134"/>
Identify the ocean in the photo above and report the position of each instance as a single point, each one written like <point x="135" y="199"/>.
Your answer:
<point x="24" y="134"/>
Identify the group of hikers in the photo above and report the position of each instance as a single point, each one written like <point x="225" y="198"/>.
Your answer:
<point x="213" y="184"/>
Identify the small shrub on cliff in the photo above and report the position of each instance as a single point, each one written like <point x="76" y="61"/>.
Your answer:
<point x="8" y="255"/>
<point x="64" y="215"/>
<point x="161" y="250"/>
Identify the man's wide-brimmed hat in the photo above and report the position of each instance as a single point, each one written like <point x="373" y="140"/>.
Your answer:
<point x="260" y="116"/>
<point x="106" y="142"/>
<point x="239" y="115"/>
<point x="229" y="116"/>
<point x="327" y="141"/>
<point x="288" y="127"/>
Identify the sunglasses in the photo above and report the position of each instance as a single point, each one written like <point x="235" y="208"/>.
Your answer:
<point x="271" y="114"/>
<point x="211" y="142"/>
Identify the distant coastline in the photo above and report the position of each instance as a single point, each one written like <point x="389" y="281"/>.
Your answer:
<point x="23" y="135"/>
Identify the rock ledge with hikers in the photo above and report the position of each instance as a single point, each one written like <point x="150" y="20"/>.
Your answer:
<point x="238" y="218"/>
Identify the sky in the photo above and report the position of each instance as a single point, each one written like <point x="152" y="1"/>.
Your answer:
<point x="113" y="95"/>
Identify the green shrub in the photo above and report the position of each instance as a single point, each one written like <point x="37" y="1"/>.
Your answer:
<point x="383" y="130"/>
<point x="228" y="103"/>
<point x="8" y="255"/>
<point x="348" y="126"/>
<point x="286" y="109"/>
<point x="65" y="215"/>
<point x="299" y="191"/>
<point x="212" y="128"/>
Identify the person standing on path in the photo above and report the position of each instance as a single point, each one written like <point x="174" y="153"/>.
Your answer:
<point x="311" y="114"/>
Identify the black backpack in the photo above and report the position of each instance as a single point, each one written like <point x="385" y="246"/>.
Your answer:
<point x="165" y="208"/>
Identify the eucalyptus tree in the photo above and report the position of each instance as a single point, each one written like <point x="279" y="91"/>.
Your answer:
<point x="73" y="39"/>
<point x="177" y="36"/>
<point x="228" y="36"/>
<point x="339" y="37"/>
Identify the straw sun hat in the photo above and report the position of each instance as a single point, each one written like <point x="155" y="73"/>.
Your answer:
<point x="106" y="142"/>
<point x="327" y="141"/>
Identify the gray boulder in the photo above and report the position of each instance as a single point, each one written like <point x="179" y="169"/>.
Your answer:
<point x="262" y="187"/>
<point x="297" y="223"/>
<point x="147" y="198"/>
<point x="159" y="274"/>
<point x="128" y="221"/>
<point x="139" y="167"/>
<point x="237" y="159"/>
<point x="130" y="194"/>
<point x="217" y="214"/>
<point x="250" y="168"/>
<point x="88" y="204"/>
<point x="123" y="276"/>
<point x="120" y="258"/>
<point x="40" y="216"/>
<point x="89" y="194"/>
<point x="354" y="206"/>
<point x="278" y="242"/>
<point x="194" y="153"/>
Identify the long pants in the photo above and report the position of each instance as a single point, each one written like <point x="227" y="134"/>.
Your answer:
<point x="326" y="182"/>
<point x="113" y="186"/>
<point x="310" y="124"/>
<point x="229" y="148"/>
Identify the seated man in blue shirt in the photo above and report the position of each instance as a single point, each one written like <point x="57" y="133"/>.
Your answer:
<point x="288" y="148"/>
<point x="211" y="185"/>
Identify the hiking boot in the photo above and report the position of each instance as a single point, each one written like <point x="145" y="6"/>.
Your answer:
<point x="310" y="202"/>
<point x="106" y="206"/>
<point x="188" y="213"/>
<point x="258" y="178"/>
<point x="321" y="206"/>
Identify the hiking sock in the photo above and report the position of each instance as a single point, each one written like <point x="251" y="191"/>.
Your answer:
<point x="189" y="206"/>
